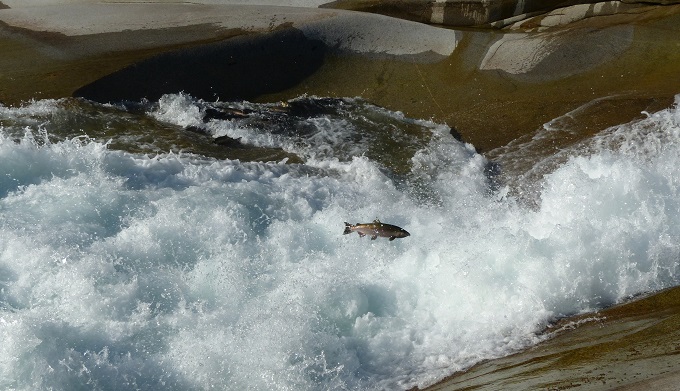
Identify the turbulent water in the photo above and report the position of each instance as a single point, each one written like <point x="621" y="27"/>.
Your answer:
<point x="189" y="245"/>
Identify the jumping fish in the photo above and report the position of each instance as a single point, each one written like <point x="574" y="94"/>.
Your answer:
<point x="375" y="229"/>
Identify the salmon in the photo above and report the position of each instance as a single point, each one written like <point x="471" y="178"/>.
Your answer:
<point x="375" y="229"/>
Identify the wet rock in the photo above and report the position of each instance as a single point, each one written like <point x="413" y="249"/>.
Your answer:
<point x="226" y="114"/>
<point x="272" y="63"/>
<point x="195" y="129"/>
<point x="230" y="142"/>
<point x="472" y="12"/>
<point x="551" y="56"/>
<point x="632" y="346"/>
<point x="449" y="12"/>
<point x="618" y="11"/>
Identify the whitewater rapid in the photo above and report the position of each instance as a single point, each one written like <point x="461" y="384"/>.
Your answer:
<point x="178" y="271"/>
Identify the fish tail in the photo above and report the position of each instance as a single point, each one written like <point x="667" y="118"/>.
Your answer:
<point x="348" y="228"/>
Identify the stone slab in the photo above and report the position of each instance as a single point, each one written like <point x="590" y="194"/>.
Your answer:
<point x="630" y="347"/>
<point x="456" y="77"/>
<point x="291" y="3"/>
<point x="347" y="30"/>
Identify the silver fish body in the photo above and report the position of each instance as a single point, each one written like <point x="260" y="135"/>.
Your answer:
<point x="375" y="229"/>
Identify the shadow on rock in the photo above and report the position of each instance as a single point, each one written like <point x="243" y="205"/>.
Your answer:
<point x="241" y="68"/>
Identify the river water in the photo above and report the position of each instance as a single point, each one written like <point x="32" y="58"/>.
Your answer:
<point x="191" y="245"/>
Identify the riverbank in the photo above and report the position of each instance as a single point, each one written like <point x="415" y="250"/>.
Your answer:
<point x="632" y="346"/>
<point x="480" y="82"/>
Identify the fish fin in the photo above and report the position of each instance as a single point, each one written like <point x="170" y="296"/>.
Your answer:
<point x="374" y="237"/>
<point x="348" y="228"/>
<point x="392" y="238"/>
<point x="361" y="234"/>
<point x="377" y="221"/>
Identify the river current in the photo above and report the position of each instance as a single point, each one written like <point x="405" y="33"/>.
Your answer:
<point x="191" y="245"/>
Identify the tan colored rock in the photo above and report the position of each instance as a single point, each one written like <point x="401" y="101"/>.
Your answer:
<point x="474" y="12"/>
<point x="292" y="3"/>
<point x="497" y="13"/>
<point x="631" y="347"/>
<point x="568" y="15"/>
<point x="491" y="86"/>
<point x="99" y="18"/>
<point x="77" y="44"/>
<point x="564" y="53"/>
<point x="349" y="31"/>
<point x="446" y="12"/>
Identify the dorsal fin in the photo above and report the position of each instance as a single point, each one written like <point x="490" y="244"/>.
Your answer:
<point x="377" y="221"/>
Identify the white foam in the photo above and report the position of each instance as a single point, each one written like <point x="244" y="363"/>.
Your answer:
<point x="177" y="272"/>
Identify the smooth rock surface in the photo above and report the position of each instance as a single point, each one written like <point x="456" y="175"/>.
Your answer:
<point x="534" y="54"/>
<point x="619" y="13"/>
<point x="632" y="347"/>
<point x="490" y="86"/>
<point x="471" y="12"/>
<point x="77" y="44"/>
<point x="291" y="3"/>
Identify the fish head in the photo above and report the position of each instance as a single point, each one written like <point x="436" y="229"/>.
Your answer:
<point x="402" y="233"/>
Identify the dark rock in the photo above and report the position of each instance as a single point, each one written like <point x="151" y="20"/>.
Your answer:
<point x="225" y="114"/>
<point x="195" y="129"/>
<point x="241" y="68"/>
<point x="230" y="142"/>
